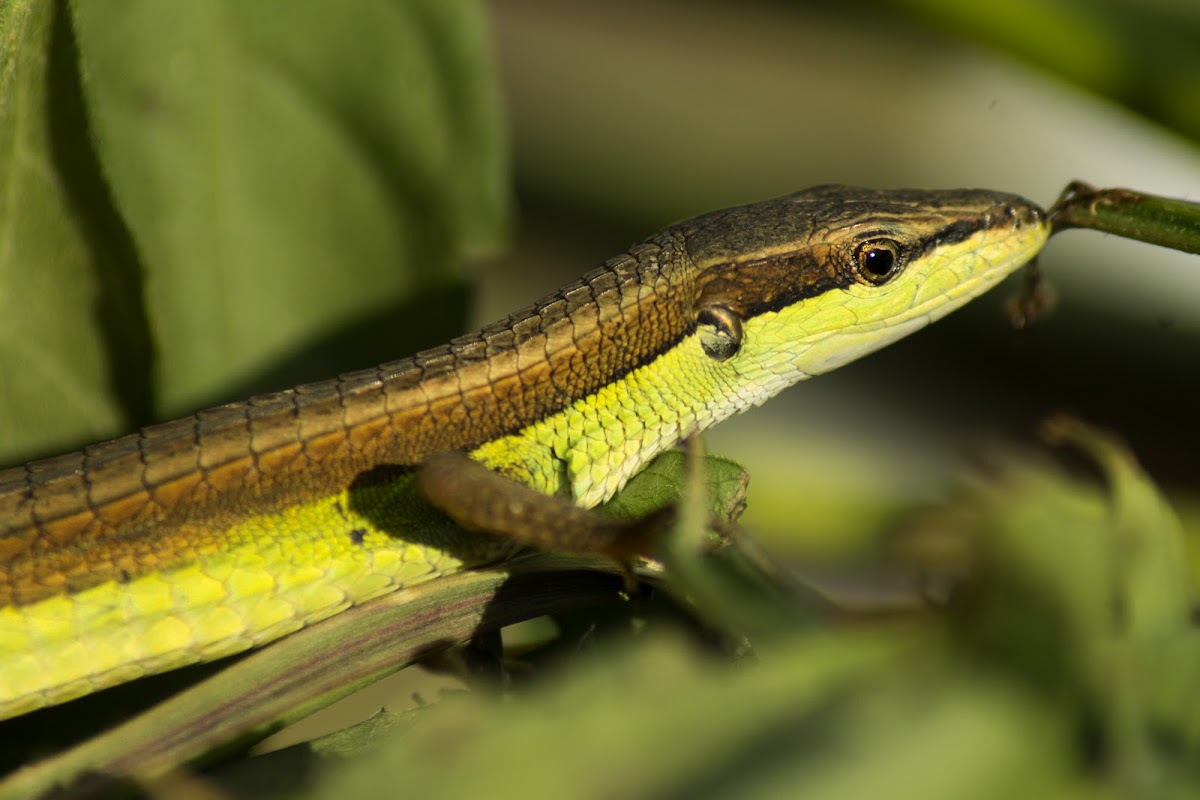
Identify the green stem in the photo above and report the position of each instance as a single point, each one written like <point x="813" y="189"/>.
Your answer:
<point x="1134" y="215"/>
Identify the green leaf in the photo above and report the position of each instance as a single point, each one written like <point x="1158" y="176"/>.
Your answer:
<point x="289" y="169"/>
<point x="1069" y="571"/>
<point x="54" y="350"/>
<point x="661" y="483"/>
<point x="1154" y="586"/>
<point x="1170" y="672"/>
<point x="964" y="737"/>
<point x="654" y="721"/>
<point x="1087" y="592"/>
<point x="1140" y="54"/>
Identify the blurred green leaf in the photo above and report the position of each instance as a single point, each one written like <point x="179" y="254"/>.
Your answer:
<point x="285" y="169"/>
<point x="1140" y="54"/>
<point x="651" y="721"/>
<point x="1069" y="570"/>
<point x="1095" y="52"/>
<point x="1029" y="606"/>
<point x="941" y="736"/>
<point x="1169" y="673"/>
<point x="54" y="355"/>
<point x="1154" y="586"/>
<point x="1086" y="592"/>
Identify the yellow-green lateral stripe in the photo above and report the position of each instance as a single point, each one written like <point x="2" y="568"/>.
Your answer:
<point x="277" y="574"/>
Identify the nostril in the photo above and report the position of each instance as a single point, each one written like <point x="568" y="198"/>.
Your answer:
<point x="1023" y="215"/>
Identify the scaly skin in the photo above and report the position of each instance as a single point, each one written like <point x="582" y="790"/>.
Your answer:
<point x="205" y="536"/>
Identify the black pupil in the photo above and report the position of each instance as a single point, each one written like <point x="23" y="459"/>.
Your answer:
<point x="878" y="261"/>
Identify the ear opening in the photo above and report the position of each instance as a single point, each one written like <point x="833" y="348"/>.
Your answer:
<point x="720" y="331"/>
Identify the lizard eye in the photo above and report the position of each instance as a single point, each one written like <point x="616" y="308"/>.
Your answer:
<point x="720" y="332"/>
<point x="877" y="261"/>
